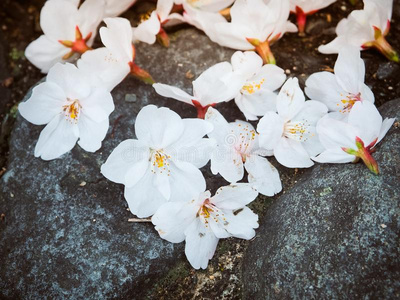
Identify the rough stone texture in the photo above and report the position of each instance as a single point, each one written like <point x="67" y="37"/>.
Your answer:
<point x="64" y="229"/>
<point x="335" y="235"/>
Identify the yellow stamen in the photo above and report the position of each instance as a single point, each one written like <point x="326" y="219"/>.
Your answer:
<point x="252" y="87"/>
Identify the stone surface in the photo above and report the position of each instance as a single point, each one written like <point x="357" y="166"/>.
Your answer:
<point x="335" y="235"/>
<point x="64" y="229"/>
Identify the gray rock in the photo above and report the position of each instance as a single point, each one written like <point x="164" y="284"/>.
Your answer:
<point x="335" y="235"/>
<point x="387" y="70"/>
<point x="64" y="229"/>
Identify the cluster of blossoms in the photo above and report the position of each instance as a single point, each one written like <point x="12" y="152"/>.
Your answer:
<point x="160" y="169"/>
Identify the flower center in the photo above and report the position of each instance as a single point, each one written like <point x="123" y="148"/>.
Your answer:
<point x="208" y="210"/>
<point x="245" y="141"/>
<point x="252" y="87"/>
<point x="159" y="162"/>
<point x="72" y="110"/>
<point x="298" y="131"/>
<point x="348" y="102"/>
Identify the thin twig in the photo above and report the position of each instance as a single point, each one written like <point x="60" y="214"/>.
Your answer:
<point x="137" y="220"/>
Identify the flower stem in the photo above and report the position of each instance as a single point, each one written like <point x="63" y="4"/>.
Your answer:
<point x="201" y="110"/>
<point x="380" y="43"/>
<point x="162" y="38"/>
<point x="141" y="74"/>
<point x="263" y="49"/>
<point x="301" y="19"/>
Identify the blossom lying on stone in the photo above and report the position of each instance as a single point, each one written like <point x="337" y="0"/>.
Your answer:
<point x="340" y="91"/>
<point x="203" y="220"/>
<point x="365" y="29"/>
<point x="255" y="25"/>
<point x="238" y="147"/>
<point x="67" y="31"/>
<point x="151" y="28"/>
<point x="304" y="8"/>
<point x="115" y="61"/>
<point x="257" y="94"/>
<point x="72" y="108"/>
<point x="163" y="163"/>
<point x="355" y="139"/>
<point x="291" y="132"/>
<point x="217" y="84"/>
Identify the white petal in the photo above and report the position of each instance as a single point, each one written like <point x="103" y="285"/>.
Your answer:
<point x="99" y="105"/>
<point x="191" y="147"/>
<point x="217" y="84"/>
<point x="226" y="161"/>
<point x="144" y="198"/>
<point x="290" y="99"/>
<point x="103" y="68"/>
<point x="172" y="219"/>
<point x="116" y="7"/>
<point x="366" y="117"/>
<point x="233" y="35"/>
<point x="292" y="154"/>
<point x="187" y="182"/>
<point x="257" y="104"/>
<point x="57" y="138"/>
<point x="263" y="176"/>
<point x="117" y="37"/>
<point x="336" y="134"/>
<point x="350" y="69"/>
<point x="334" y="46"/>
<point x="270" y="128"/>
<point x="386" y="125"/>
<point x="311" y="112"/>
<point x="90" y="15"/>
<point x="247" y="63"/>
<point x="146" y="31"/>
<point x="336" y="155"/>
<point x="234" y="196"/>
<point x="58" y="20"/>
<point x="44" y="53"/>
<point x="91" y="133"/>
<point x="45" y="102"/>
<point x="170" y="91"/>
<point x="200" y="246"/>
<point x="158" y="127"/>
<point x="70" y="79"/>
<point x="135" y="171"/>
<point x="241" y="223"/>
<point x="221" y="126"/>
<point x="123" y="157"/>
<point x="163" y="9"/>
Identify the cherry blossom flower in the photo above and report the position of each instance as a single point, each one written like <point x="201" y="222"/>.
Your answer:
<point x="115" y="61"/>
<point x="365" y="29"/>
<point x="203" y="220"/>
<point x="255" y="25"/>
<point x="340" y="91"/>
<point x="116" y="7"/>
<point x="67" y="31"/>
<point x="257" y="94"/>
<point x="238" y="147"/>
<point x="291" y="132"/>
<point x="353" y="140"/>
<point x="304" y="8"/>
<point x="152" y="26"/>
<point x="163" y="163"/>
<point x="217" y="84"/>
<point x="72" y="108"/>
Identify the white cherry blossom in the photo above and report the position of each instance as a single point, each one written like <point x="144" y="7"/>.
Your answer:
<point x="68" y="30"/>
<point x="355" y="139"/>
<point x="365" y="29"/>
<point x="238" y="148"/>
<point x="203" y="220"/>
<point x="217" y="84"/>
<point x="163" y="163"/>
<point x="304" y="8"/>
<point x="151" y="29"/>
<point x="116" y="60"/>
<point x="341" y="90"/>
<point x="291" y="132"/>
<point x="257" y="94"/>
<point x="72" y="107"/>
<point x="255" y="25"/>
